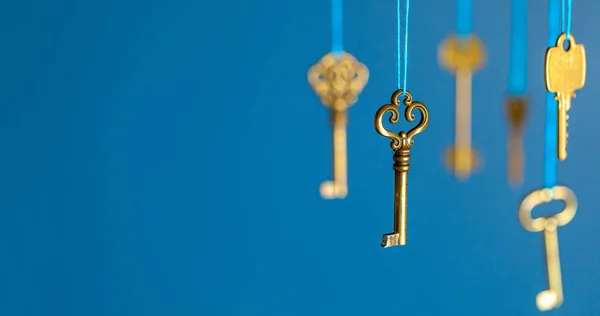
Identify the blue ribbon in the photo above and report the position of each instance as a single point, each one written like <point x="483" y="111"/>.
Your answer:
<point x="464" y="13"/>
<point x="337" y="27"/>
<point x="517" y="75"/>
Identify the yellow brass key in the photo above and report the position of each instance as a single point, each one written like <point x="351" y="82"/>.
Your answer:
<point x="552" y="297"/>
<point x="401" y="144"/>
<point x="462" y="57"/>
<point x="565" y="72"/>
<point x="338" y="82"/>
<point x="516" y="112"/>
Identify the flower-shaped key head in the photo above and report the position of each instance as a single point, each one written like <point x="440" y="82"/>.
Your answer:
<point x="338" y="80"/>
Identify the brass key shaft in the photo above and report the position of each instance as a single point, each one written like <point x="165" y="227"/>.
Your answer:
<point x="564" y="104"/>
<point x="515" y="155"/>
<point x="553" y="296"/>
<point x="516" y="111"/>
<point x="338" y="187"/>
<point x="463" y="111"/>
<point x="401" y="167"/>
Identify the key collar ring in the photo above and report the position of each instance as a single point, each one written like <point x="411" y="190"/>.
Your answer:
<point x="546" y="195"/>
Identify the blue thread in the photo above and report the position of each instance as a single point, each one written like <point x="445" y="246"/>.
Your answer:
<point x="402" y="63"/>
<point x="464" y="19"/>
<point x="398" y="64"/>
<point x="337" y="23"/>
<point x="566" y="28"/>
<point x="562" y="16"/>
<point x="569" y="19"/>
<point x="517" y="75"/>
<point x="550" y="133"/>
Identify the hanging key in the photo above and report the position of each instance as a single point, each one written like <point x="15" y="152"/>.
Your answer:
<point x="338" y="80"/>
<point x="516" y="112"/>
<point x="552" y="297"/>
<point x="564" y="73"/>
<point x="462" y="56"/>
<point x="401" y="144"/>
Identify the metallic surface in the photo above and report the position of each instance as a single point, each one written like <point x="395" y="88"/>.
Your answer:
<point x="338" y="82"/>
<point x="338" y="188"/>
<point x="564" y="72"/>
<point x="552" y="297"/>
<point x="401" y="144"/>
<point x="517" y="109"/>
<point x="462" y="56"/>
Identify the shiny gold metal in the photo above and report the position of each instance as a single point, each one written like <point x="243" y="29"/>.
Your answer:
<point x="338" y="80"/>
<point x="552" y="297"/>
<point x="565" y="72"/>
<point x="401" y="144"/>
<point x="462" y="56"/>
<point x="517" y="109"/>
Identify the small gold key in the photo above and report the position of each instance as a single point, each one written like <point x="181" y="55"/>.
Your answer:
<point x="553" y="296"/>
<point x="564" y="73"/>
<point x="516" y="112"/>
<point x="462" y="57"/>
<point x="401" y="144"/>
<point x="338" y="82"/>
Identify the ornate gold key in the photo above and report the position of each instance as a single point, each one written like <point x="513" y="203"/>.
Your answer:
<point x="553" y="296"/>
<point x="516" y="111"/>
<point x="462" y="57"/>
<point x="564" y="73"/>
<point x="338" y="82"/>
<point x="401" y="144"/>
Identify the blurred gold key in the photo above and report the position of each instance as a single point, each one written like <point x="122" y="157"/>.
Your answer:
<point x="338" y="80"/>
<point x="462" y="56"/>
<point x="565" y="71"/>
<point x="517" y="109"/>
<point x="552" y="297"/>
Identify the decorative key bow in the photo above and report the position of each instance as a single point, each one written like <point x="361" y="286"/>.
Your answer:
<point x="553" y="296"/>
<point x="401" y="144"/>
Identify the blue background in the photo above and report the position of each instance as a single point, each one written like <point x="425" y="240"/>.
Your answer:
<point x="164" y="158"/>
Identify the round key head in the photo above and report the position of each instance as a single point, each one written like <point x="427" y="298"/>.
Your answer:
<point x="338" y="80"/>
<point x="462" y="53"/>
<point x="517" y="109"/>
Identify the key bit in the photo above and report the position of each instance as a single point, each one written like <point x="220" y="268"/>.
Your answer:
<point x="462" y="161"/>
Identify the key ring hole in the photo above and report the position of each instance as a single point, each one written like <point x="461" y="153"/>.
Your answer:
<point x="566" y="45"/>
<point x="548" y="209"/>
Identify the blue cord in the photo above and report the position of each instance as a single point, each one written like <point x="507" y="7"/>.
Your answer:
<point x="550" y="160"/>
<point x="569" y="19"/>
<point x="337" y="29"/>
<point x="464" y="19"/>
<point x="517" y="76"/>
<point x="562" y="16"/>
<point x="402" y="63"/>
<point x="566" y="28"/>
